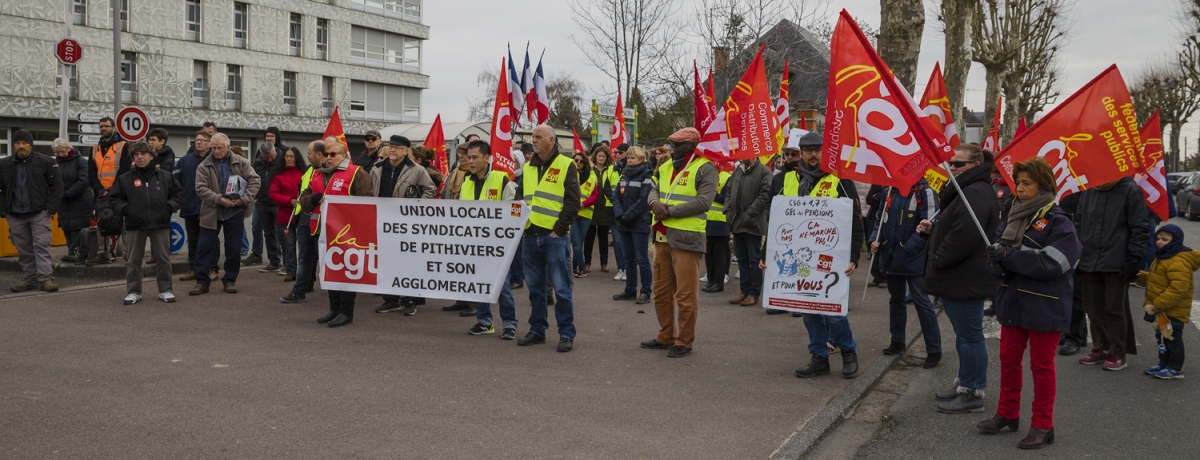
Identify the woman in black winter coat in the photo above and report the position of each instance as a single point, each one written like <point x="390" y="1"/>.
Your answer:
<point x="75" y="214"/>
<point x="956" y="269"/>
<point x="631" y="215"/>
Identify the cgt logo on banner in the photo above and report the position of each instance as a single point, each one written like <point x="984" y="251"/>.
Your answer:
<point x="808" y="251"/>
<point x="422" y="248"/>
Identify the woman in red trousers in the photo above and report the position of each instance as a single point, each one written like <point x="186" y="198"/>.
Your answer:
<point x="1034" y="259"/>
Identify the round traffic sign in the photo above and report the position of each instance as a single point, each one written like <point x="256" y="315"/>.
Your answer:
<point x="132" y="123"/>
<point x="68" y="51"/>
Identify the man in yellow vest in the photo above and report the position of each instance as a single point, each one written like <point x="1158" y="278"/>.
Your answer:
<point x="716" y="252"/>
<point x="306" y="242"/>
<point x="802" y="176"/>
<point x="487" y="184"/>
<point x="683" y="192"/>
<point x="550" y="185"/>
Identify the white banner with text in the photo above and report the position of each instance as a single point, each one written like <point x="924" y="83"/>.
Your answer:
<point x="808" y="252"/>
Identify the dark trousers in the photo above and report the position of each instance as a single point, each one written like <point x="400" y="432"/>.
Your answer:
<point x="516" y="271"/>
<point x="264" y="233"/>
<point x="1106" y="301"/>
<point x="306" y="258"/>
<point x="898" y="311"/>
<point x="594" y="232"/>
<point x="191" y="224"/>
<point x="342" y="302"/>
<point x="208" y="245"/>
<point x="716" y="258"/>
<point x="76" y="244"/>
<point x="1170" y="352"/>
<point x="1078" y="333"/>
<point x="746" y="247"/>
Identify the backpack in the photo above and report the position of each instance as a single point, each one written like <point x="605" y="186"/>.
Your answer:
<point x="108" y="220"/>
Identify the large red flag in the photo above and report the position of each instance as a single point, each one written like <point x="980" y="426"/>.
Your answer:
<point x="1153" y="177"/>
<point x="503" y="117"/>
<point x="746" y="123"/>
<point x="617" y="132"/>
<point x="710" y="96"/>
<point x="1090" y="139"/>
<point x="334" y="129"/>
<point x="936" y="105"/>
<point x="436" y="141"/>
<point x="700" y="102"/>
<point x="874" y="131"/>
<point x="1021" y="128"/>
<point x="578" y="143"/>
<point x="991" y="142"/>
<point x="783" y="107"/>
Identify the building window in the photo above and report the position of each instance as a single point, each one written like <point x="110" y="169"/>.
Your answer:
<point x="241" y="24"/>
<point x="199" y="84"/>
<point x="327" y="95"/>
<point x="191" y="18"/>
<point x="233" y="87"/>
<point x="79" y="11"/>
<point x="289" y="92"/>
<point x="322" y="37"/>
<point x="377" y="101"/>
<point x="408" y="10"/>
<point x="73" y="90"/>
<point x="125" y="15"/>
<point x="128" y="77"/>
<point x="377" y="48"/>
<point x="294" y="36"/>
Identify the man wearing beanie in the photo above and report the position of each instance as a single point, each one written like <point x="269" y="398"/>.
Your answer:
<point x="30" y="191"/>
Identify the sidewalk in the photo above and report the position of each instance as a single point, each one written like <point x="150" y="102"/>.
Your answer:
<point x="67" y="274"/>
<point x="1123" y="414"/>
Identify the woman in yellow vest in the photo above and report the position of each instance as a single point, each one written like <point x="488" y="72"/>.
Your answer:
<point x="716" y="254"/>
<point x="607" y="176"/>
<point x="589" y="193"/>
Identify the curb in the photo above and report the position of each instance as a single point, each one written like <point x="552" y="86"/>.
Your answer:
<point x="114" y="270"/>
<point x="801" y="442"/>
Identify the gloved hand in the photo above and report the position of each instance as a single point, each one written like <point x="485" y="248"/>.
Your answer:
<point x="1129" y="271"/>
<point x="996" y="252"/>
<point x="996" y="270"/>
<point x="318" y="197"/>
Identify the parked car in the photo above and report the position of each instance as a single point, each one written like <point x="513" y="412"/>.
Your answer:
<point x="1187" y="197"/>
<point x="1173" y="178"/>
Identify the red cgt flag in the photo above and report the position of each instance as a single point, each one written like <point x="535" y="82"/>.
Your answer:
<point x="991" y="143"/>
<point x="874" y="130"/>
<point x="436" y="141"/>
<point x="782" y="107"/>
<point x="935" y="103"/>
<point x="746" y="125"/>
<point x="617" y="133"/>
<point x="334" y="129"/>
<point x="1021" y="128"/>
<point x="503" y="117"/>
<point x="578" y="143"/>
<point x="700" y="102"/>
<point x="1153" y="177"/>
<point x="1090" y="139"/>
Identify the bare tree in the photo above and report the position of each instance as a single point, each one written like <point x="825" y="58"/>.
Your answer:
<point x="1041" y="86"/>
<point x="625" y="39"/>
<point x="900" y="27"/>
<point x="995" y="42"/>
<point x="1041" y="34"/>
<point x="566" y="94"/>
<point x="957" y="18"/>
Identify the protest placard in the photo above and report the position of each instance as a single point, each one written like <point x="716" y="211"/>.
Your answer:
<point x="457" y="250"/>
<point x="808" y="251"/>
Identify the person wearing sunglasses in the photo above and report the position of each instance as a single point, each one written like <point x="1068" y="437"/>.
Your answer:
<point x="802" y="176"/>
<point x="957" y="270"/>
<point x="374" y="152"/>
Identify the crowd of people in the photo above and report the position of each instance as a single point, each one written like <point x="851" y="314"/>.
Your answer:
<point x="1047" y="269"/>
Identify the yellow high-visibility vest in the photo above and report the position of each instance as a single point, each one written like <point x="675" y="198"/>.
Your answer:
<point x="716" y="211"/>
<point x="585" y="192"/>
<point x="545" y="196"/>
<point x="826" y="187"/>
<point x="679" y="191"/>
<point x="493" y="187"/>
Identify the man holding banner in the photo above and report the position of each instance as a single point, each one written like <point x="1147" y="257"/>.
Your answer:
<point x="487" y="184"/>
<point x="804" y="178"/>
<point x="398" y="176"/>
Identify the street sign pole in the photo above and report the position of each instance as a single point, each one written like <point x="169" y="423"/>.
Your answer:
<point x="116" y="26"/>
<point x="66" y="79"/>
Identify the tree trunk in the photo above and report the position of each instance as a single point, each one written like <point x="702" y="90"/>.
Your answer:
<point x="1175" y="153"/>
<point x="958" y="16"/>
<point x="995" y="84"/>
<point x="1012" y="113"/>
<point x="901" y="24"/>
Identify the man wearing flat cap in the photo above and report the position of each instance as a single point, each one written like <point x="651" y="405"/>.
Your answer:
<point x="399" y="176"/>
<point x="684" y="188"/>
<point x="374" y="151"/>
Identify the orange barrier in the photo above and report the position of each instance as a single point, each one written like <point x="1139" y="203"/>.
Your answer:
<point x="8" y="250"/>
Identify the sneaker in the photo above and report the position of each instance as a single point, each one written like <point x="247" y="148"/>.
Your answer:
<point x="282" y="271"/>
<point x="292" y="297"/>
<point x="1115" y="364"/>
<point x="167" y="297"/>
<point x="643" y="298"/>
<point x="190" y="275"/>
<point x="252" y="259"/>
<point x="408" y="307"/>
<point x="1095" y="357"/>
<point x="620" y="275"/>
<point x="625" y="295"/>
<point x="270" y="268"/>
<point x="508" y="334"/>
<point x="1166" y="373"/>
<point x="132" y="298"/>
<point x="479" y="329"/>
<point x="738" y="275"/>
<point x="624" y="275"/>
<point x="704" y="279"/>
<point x="726" y="279"/>
<point x="1152" y="369"/>
<point x="388" y="307"/>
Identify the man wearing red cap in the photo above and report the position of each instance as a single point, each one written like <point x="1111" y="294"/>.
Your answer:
<point x="683" y="191"/>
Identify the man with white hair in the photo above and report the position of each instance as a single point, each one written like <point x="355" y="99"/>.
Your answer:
<point x="226" y="185"/>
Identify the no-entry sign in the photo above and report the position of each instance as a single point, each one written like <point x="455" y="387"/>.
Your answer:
<point x="132" y="123"/>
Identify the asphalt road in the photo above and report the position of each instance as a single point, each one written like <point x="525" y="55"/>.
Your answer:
<point x="1098" y="414"/>
<point x="243" y="376"/>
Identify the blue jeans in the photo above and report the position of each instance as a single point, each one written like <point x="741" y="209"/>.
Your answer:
<point x="967" y="318"/>
<point x="898" y="311"/>
<point x="636" y="251"/>
<point x="265" y="235"/>
<point x="746" y="247"/>
<point x="618" y="251"/>
<point x="579" y="229"/>
<point x="306" y="260"/>
<point x="207" y="250"/>
<point x="288" y="243"/>
<point x="821" y="327"/>
<point x="245" y="240"/>
<point x="516" y="271"/>
<point x="508" y="307"/>
<point x="545" y="260"/>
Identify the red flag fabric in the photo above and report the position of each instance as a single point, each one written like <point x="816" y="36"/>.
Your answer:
<point x="874" y="131"/>
<point x="334" y="129"/>
<point x="803" y="121"/>
<point x="700" y="102"/>
<point x="991" y="142"/>
<point x="436" y="141"/>
<point x="1090" y="139"/>
<point x="710" y="96"/>
<point x="503" y="117"/>
<point x="751" y="124"/>
<point x="1153" y="177"/>
<point x="936" y="105"/>
<point x="578" y="143"/>
<point x="1020" y="128"/>
<point x="617" y="133"/>
<point x="782" y="107"/>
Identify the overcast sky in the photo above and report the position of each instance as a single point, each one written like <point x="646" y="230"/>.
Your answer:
<point x="466" y="35"/>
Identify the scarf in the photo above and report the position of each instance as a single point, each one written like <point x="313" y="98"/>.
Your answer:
<point x="1175" y="246"/>
<point x="1021" y="215"/>
<point x="809" y="177"/>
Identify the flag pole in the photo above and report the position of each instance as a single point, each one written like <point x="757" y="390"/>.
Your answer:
<point x="987" y="240"/>
<point x="878" y="233"/>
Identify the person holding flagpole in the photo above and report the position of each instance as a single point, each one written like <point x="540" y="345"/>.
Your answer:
<point x="804" y="177"/>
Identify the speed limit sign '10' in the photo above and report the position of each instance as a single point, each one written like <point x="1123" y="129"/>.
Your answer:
<point x="132" y="123"/>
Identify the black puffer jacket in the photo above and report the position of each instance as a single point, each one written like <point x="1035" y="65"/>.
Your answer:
<point x="146" y="198"/>
<point x="957" y="263"/>
<point x="164" y="159"/>
<point x="1112" y="227"/>
<point x="78" y="199"/>
<point x="42" y="177"/>
<point x="263" y="169"/>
